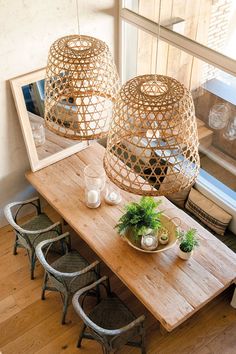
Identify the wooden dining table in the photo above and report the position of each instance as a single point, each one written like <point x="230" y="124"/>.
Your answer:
<point x="170" y="288"/>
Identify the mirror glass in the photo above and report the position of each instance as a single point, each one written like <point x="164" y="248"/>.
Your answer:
<point x="44" y="147"/>
<point x="46" y="142"/>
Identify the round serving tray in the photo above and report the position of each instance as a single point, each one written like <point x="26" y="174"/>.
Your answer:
<point x="169" y="224"/>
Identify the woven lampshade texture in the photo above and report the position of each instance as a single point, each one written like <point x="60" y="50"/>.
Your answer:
<point x="80" y="87"/>
<point x="153" y="135"/>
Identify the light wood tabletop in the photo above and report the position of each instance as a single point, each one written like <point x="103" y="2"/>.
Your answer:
<point x="170" y="288"/>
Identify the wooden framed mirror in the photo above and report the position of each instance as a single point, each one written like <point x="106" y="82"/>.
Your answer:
<point x="43" y="146"/>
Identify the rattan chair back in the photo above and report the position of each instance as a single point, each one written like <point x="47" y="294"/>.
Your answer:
<point x="111" y="339"/>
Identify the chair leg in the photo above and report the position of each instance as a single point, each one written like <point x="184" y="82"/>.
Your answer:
<point x="107" y="351"/>
<point x="143" y="349"/>
<point x="32" y="265"/>
<point x="81" y="335"/>
<point x="65" y="307"/>
<point x="98" y="294"/>
<point x="15" y="246"/>
<point x="44" y="287"/>
<point x="63" y="251"/>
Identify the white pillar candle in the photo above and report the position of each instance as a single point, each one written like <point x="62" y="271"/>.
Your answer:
<point x="93" y="196"/>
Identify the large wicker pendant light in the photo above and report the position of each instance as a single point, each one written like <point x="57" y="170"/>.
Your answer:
<point x="81" y="83"/>
<point x="152" y="146"/>
<point x="80" y="86"/>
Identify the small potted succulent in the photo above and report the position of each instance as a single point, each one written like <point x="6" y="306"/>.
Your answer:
<point x="141" y="222"/>
<point x="188" y="241"/>
<point x="163" y="236"/>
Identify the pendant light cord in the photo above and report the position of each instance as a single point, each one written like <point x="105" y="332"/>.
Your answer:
<point x="77" y="11"/>
<point x="158" y="38"/>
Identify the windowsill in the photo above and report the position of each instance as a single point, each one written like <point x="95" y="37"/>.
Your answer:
<point x="220" y="188"/>
<point x="221" y="89"/>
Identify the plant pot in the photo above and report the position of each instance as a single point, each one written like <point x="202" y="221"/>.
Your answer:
<point x="184" y="255"/>
<point x="163" y="242"/>
<point x="163" y="232"/>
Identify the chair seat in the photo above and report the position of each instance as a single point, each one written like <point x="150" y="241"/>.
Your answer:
<point x="39" y="222"/>
<point x="73" y="262"/>
<point x="111" y="314"/>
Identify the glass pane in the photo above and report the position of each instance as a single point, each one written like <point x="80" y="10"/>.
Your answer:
<point x="209" y="22"/>
<point x="214" y="97"/>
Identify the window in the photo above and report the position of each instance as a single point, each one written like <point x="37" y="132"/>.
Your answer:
<point x="197" y="46"/>
<point x="208" y="22"/>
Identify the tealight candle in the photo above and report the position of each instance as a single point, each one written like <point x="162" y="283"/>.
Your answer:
<point x="112" y="196"/>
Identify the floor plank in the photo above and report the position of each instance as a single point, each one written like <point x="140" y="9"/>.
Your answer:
<point x="29" y="325"/>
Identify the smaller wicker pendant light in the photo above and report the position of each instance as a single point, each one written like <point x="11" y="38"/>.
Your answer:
<point x="153" y="142"/>
<point x="80" y="86"/>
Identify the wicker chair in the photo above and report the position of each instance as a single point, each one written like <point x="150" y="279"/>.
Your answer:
<point x="29" y="234"/>
<point x="110" y="322"/>
<point x="68" y="273"/>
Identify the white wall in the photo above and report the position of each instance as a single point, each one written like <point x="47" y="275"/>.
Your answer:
<point x="27" y="29"/>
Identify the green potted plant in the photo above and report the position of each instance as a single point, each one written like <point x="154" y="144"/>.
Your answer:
<point x="188" y="241"/>
<point x="140" y="219"/>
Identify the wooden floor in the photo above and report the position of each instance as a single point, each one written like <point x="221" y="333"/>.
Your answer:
<point x="29" y="325"/>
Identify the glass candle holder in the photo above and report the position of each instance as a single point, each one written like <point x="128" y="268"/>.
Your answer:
<point x="218" y="116"/>
<point x="230" y="132"/>
<point x="149" y="242"/>
<point x="95" y="179"/>
<point x="92" y="198"/>
<point x="112" y="196"/>
<point x="38" y="134"/>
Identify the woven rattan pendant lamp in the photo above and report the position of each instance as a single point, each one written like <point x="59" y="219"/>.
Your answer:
<point x="80" y="86"/>
<point x="152" y="146"/>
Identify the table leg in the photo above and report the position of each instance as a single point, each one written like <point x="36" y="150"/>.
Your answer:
<point x="233" y="301"/>
<point x="65" y="223"/>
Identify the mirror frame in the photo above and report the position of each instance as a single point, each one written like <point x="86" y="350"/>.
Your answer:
<point x="36" y="164"/>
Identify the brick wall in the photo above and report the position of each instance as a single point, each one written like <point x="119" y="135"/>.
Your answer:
<point x="217" y="32"/>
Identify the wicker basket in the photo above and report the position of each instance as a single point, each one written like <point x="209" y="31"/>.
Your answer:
<point x="169" y="224"/>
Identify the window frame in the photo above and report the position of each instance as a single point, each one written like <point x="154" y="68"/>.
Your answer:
<point x="177" y="40"/>
<point x="197" y="50"/>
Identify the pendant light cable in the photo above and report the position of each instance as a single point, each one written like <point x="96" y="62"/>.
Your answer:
<point x="77" y="11"/>
<point x="158" y="38"/>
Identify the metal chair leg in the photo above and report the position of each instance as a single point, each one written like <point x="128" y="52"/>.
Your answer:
<point x="44" y="287"/>
<point x="143" y="339"/>
<point x="81" y="335"/>
<point x="15" y="246"/>
<point x="97" y="272"/>
<point x="107" y="351"/>
<point x="65" y="307"/>
<point x="32" y="265"/>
